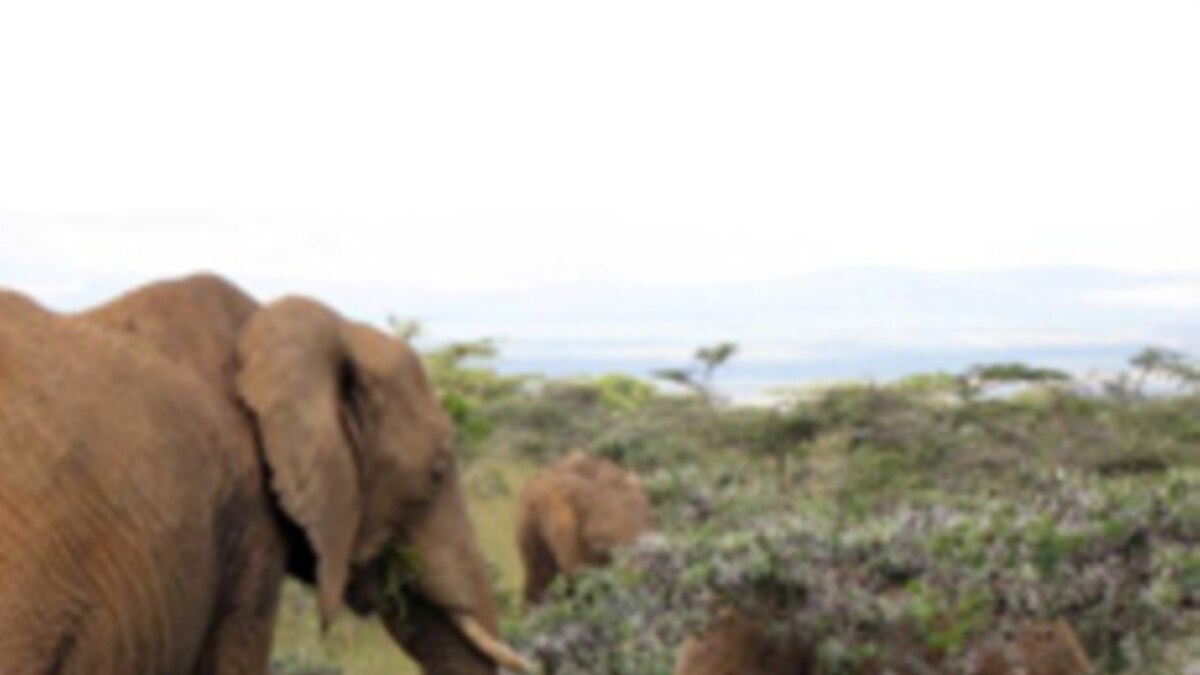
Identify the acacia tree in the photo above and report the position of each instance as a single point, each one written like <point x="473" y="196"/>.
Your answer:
<point x="981" y="414"/>
<point x="978" y="379"/>
<point x="1167" y="364"/>
<point x="698" y="376"/>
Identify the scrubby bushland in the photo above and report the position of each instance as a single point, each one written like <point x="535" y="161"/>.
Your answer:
<point x="937" y="430"/>
<point x="926" y="511"/>
<point x="1117" y="558"/>
<point x="874" y="441"/>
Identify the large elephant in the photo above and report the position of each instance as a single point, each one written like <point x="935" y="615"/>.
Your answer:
<point x="170" y="456"/>
<point x="574" y="513"/>
<point x="737" y="645"/>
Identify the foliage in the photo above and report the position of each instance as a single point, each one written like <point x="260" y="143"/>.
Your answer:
<point x="779" y="434"/>
<point x="979" y="379"/>
<point x="697" y="377"/>
<point x="714" y="356"/>
<point x="909" y="513"/>
<point x="615" y="416"/>
<point x="924" y="511"/>
<point x="463" y="376"/>
<point x="401" y="568"/>
<point x="1168" y="363"/>
<point x="1119" y="560"/>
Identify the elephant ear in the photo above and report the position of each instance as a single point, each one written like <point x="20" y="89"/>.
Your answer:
<point x="297" y="378"/>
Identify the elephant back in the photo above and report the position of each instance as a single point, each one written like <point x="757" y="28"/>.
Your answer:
<point x="195" y="322"/>
<point x="613" y="507"/>
<point x="735" y="645"/>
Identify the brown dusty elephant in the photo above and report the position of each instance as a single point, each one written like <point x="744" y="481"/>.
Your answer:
<point x="574" y="513"/>
<point x="736" y="645"/>
<point x="170" y="456"/>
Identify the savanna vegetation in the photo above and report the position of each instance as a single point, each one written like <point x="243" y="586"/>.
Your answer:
<point x="929" y="510"/>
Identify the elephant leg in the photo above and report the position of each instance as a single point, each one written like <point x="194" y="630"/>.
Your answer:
<point x="239" y="645"/>
<point x="559" y="525"/>
<point x="242" y="623"/>
<point x="537" y="560"/>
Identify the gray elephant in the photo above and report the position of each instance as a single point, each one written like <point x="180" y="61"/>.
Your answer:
<point x="169" y="457"/>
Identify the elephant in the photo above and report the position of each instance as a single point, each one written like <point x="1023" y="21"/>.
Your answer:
<point x="1038" y="648"/>
<point x="737" y="645"/>
<point x="574" y="513"/>
<point x="171" y="456"/>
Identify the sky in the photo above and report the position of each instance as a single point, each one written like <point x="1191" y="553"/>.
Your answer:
<point x="401" y="155"/>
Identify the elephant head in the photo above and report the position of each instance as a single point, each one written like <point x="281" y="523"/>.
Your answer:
<point x="360" y="456"/>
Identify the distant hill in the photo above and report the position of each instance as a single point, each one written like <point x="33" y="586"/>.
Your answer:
<point x="850" y="324"/>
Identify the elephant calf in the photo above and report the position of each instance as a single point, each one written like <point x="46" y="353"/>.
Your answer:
<point x="170" y="456"/>
<point x="574" y="513"/>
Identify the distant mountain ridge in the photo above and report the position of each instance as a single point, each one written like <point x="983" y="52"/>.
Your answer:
<point x="846" y="324"/>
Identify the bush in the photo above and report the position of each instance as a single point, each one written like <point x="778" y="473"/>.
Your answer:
<point x="863" y="515"/>
<point x="1117" y="559"/>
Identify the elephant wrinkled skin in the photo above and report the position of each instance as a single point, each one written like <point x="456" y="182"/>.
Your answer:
<point x="170" y="456"/>
<point x="573" y="514"/>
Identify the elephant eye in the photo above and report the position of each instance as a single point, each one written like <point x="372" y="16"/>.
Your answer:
<point x="440" y="469"/>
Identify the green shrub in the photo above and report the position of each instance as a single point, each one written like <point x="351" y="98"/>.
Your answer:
<point x="1116" y="558"/>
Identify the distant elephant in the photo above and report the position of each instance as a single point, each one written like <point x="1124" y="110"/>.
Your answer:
<point x="1041" y="648"/>
<point x="170" y="456"/>
<point x="574" y="513"/>
<point x="736" y="645"/>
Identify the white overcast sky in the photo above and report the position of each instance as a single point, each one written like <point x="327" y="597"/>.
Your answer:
<point x="451" y="145"/>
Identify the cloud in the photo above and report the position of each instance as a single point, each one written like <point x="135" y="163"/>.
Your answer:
<point x="1182" y="296"/>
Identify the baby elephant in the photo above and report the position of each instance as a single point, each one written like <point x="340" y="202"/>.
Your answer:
<point x="574" y="513"/>
<point x="736" y="645"/>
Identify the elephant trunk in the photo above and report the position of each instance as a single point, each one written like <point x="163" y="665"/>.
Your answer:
<point x="449" y="624"/>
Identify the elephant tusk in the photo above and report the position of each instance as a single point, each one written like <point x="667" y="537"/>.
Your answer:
<point x="493" y="648"/>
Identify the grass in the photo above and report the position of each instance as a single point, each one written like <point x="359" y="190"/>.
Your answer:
<point x="359" y="647"/>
